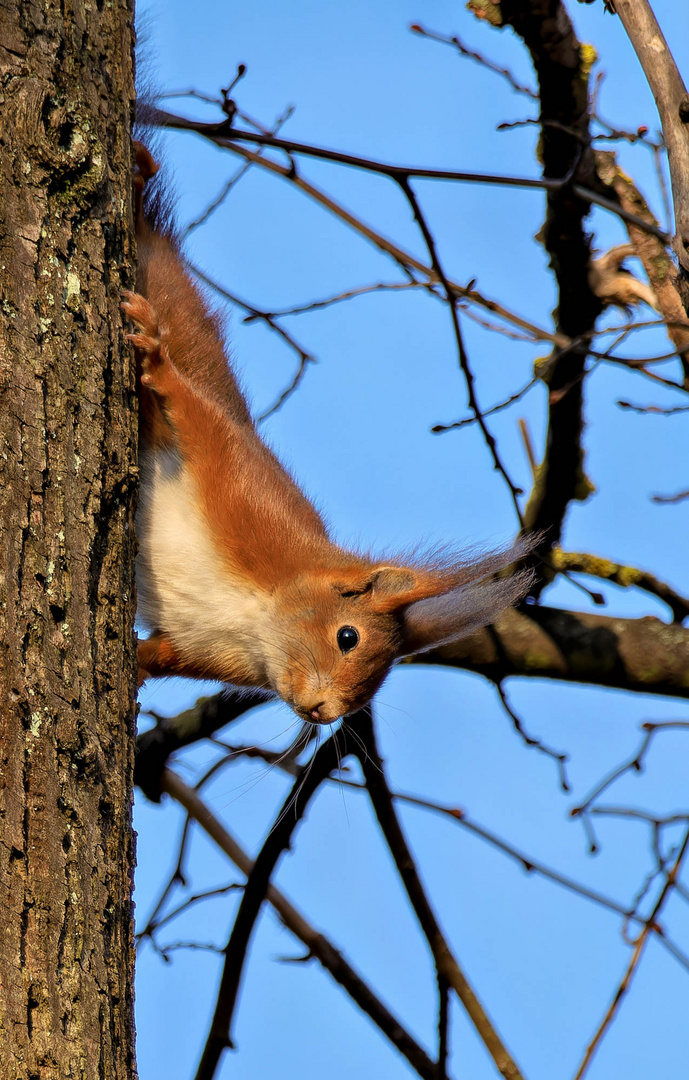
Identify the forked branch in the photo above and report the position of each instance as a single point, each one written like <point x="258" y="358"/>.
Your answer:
<point x="318" y="946"/>
<point x="447" y="967"/>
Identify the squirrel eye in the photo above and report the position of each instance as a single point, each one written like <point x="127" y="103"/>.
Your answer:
<point x="347" y="638"/>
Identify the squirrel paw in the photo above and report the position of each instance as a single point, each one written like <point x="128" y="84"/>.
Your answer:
<point x="150" y="341"/>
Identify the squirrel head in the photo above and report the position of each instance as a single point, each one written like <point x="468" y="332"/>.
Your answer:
<point x="340" y="631"/>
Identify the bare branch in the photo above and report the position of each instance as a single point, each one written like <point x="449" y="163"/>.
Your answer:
<point x="405" y="259"/>
<point x="565" y="140"/>
<point x="155" y="924"/>
<point x="645" y="654"/>
<point x="444" y="989"/>
<point x="349" y="294"/>
<point x="618" y="574"/>
<point x="227" y="136"/>
<point x="305" y="358"/>
<point x="176" y="878"/>
<point x="325" y="759"/>
<point x="208" y="714"/>
<point x="194" y="946"/>
<point x="253" y="312"/>
<point x="317" y="945"/>
<point x="672" y="101"/>
<point x="446" y="964"/>
<point x="526" y="862"/>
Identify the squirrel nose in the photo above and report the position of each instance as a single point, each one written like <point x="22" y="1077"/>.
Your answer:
<point x="315" y="711"/>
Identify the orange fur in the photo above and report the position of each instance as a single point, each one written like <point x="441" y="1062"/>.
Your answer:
<point x="239" y="578"/>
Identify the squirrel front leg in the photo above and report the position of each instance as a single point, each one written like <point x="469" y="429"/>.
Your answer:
<point x="198" y="426"/>
<point x="157" y="657"/>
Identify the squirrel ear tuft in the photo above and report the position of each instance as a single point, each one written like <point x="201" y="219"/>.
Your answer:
<point x="393" y="582"/>
<point x="390" y="587"/>
<point x="427" y="624"/>
<point x="394" y="587"/>
<point x="441" y="602"/>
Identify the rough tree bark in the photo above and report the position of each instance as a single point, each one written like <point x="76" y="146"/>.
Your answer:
<point x="66" y="541"/>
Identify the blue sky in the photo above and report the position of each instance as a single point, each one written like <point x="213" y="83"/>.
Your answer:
<point x="357" y="437"/>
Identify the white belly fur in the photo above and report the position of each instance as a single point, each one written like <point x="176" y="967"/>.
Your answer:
<point x="184" y="585"/>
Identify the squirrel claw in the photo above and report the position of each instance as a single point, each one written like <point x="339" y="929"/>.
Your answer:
<point x="144" y="342"/>
<point x="141" y="313"/>
<point x="150" y="340"/>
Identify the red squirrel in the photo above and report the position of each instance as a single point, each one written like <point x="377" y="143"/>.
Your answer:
<point x="237" y="577"/>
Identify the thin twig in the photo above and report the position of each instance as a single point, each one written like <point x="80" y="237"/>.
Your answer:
<point x="489" y="439"/>
<point x="656" y="410"/>
<point x="528" y="446"/>
<point x="659" y="158"/>
<point x="348" y="294"/>
<point x="198" y="94"/>
<point x="628" y="976"/>
<point x="232" y="182"/>
<point x="634" y="764"/>
<point x="197" y="946"/>
<point x="440" y="428"/>
<point x="495" y="328"/>
<point x="155" y="923"/>
<point x="633" y="812"/>
<point x="680" y="496"/>
<point x="536" y="744"/>
<point x="484" y="61"/>
<point x="176" y="878"/>
<point x="305" y="358"/>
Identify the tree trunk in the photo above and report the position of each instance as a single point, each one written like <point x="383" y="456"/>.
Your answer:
<point x="67" y="480"/>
